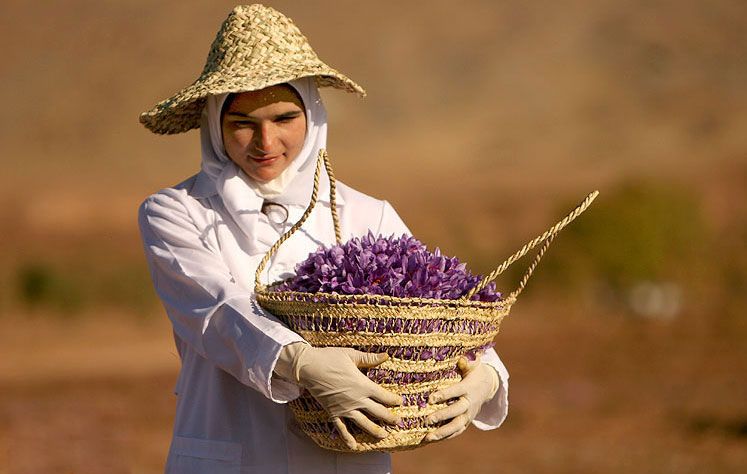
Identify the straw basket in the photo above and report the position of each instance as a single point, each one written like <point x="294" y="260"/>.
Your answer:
<point x="408" y="329"/>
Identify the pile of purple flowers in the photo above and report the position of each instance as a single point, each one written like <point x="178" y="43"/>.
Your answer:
<point x="389" y="266"/>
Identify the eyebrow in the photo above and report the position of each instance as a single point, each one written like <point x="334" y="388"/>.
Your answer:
<point x="290" y="114"/>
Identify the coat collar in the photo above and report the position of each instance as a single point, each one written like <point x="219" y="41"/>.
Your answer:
<point x="204" y="187"/>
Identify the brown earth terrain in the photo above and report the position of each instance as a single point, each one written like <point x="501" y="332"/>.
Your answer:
<point x="485" y="121"/>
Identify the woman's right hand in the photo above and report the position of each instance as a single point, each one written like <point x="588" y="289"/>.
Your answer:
<point x="332" y="375"/>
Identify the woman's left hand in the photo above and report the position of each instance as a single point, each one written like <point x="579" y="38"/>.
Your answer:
<point x="478" y="385"/>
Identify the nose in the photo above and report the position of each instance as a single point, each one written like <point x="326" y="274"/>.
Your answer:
<point x="266" y="137"/>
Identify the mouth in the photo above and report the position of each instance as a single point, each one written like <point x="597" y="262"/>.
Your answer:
<point x="267" y="159"/>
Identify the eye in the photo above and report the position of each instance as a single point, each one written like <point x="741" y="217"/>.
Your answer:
<point x="242" y="123"/>
<point x="286" y="118"/>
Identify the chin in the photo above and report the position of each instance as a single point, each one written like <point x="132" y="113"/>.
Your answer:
<point x="263" y="177"/>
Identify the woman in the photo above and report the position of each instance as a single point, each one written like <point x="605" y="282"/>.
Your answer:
<point x="262" y="123"/>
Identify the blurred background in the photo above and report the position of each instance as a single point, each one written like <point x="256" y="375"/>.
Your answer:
<point x="486" y="121"/>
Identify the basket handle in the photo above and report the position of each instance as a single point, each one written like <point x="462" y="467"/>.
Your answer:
<point x="322" y="158"/>
<point x="544" y="239"/>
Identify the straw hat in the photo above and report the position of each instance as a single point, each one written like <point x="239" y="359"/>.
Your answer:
<point x="256" y="47"/>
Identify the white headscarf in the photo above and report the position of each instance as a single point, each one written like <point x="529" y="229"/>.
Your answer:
<point x="243" y="196"/>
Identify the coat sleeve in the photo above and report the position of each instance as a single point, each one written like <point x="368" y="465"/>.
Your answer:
<point x="494" y="411"/>
<point x="209" y="312"/>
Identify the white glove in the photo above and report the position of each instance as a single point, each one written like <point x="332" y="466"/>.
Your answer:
<point x="478" y="385"/>
<point x="332" y="375"/>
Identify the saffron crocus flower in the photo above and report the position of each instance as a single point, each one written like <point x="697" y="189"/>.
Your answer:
<point x="392" y="266"/>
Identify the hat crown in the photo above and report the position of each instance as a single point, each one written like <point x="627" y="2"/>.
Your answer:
<point x="254" y="38"/>
<point x="256" y="47"/>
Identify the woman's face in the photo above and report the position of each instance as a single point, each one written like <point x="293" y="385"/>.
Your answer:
<point x="264" y="130"/>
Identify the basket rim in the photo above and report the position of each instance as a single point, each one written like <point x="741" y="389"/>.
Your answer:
<point x="377" y="300"/>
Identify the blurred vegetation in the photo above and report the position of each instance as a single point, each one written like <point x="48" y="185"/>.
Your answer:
<point x="39" y="284"/>
<point x="69" y="287"/>
<point x="648" y="240"/>
<point x="636" y="232"/>
<point x="642" y="244"/>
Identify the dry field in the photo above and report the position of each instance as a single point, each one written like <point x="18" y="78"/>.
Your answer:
<point x="628" y="351"/>
<point x="588" y="394"/>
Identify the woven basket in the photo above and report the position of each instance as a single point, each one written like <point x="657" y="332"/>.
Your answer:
<point x="408" y="329"/>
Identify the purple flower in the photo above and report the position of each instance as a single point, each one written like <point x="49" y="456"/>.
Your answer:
<point x="391" y="266"/>
<point x="473" y="354"/>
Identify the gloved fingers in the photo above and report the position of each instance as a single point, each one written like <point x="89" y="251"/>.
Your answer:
<point x="366" y="360"/>
<point x="381" y="412"/>
<point x="367" y="425"/>
<point x="458" y="432"/>
<point x="344" y="433"/>
<point x="466" y="366"/>
<point x="452" y="411"/>
<point x="452" y="391"/>
<point x="455" y="427"/>
<point x="382" y="395"/>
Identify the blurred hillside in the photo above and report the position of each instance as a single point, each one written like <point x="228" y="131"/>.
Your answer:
<point x="484" y="123"/>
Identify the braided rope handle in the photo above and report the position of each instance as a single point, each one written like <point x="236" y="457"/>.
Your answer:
<point x="545" y="238"/>
<point x="332" y="194"/>
<point x="321" y="158"/>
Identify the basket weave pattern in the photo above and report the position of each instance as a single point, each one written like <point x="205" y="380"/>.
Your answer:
<point x="423" y="337"/>
<point x="411" y="370"/>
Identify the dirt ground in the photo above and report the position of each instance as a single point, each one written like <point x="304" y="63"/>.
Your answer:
<point x="588" y="394"/>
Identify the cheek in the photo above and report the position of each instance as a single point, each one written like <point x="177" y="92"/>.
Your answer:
<point x="298" y="136"/>
<point x="235" y="141"/>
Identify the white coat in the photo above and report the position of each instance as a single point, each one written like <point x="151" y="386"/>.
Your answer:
<point x="231" y="413"/>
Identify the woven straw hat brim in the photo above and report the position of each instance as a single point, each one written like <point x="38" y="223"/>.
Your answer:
<point x="181" y="112"/>
<point x="256" y="47"/>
